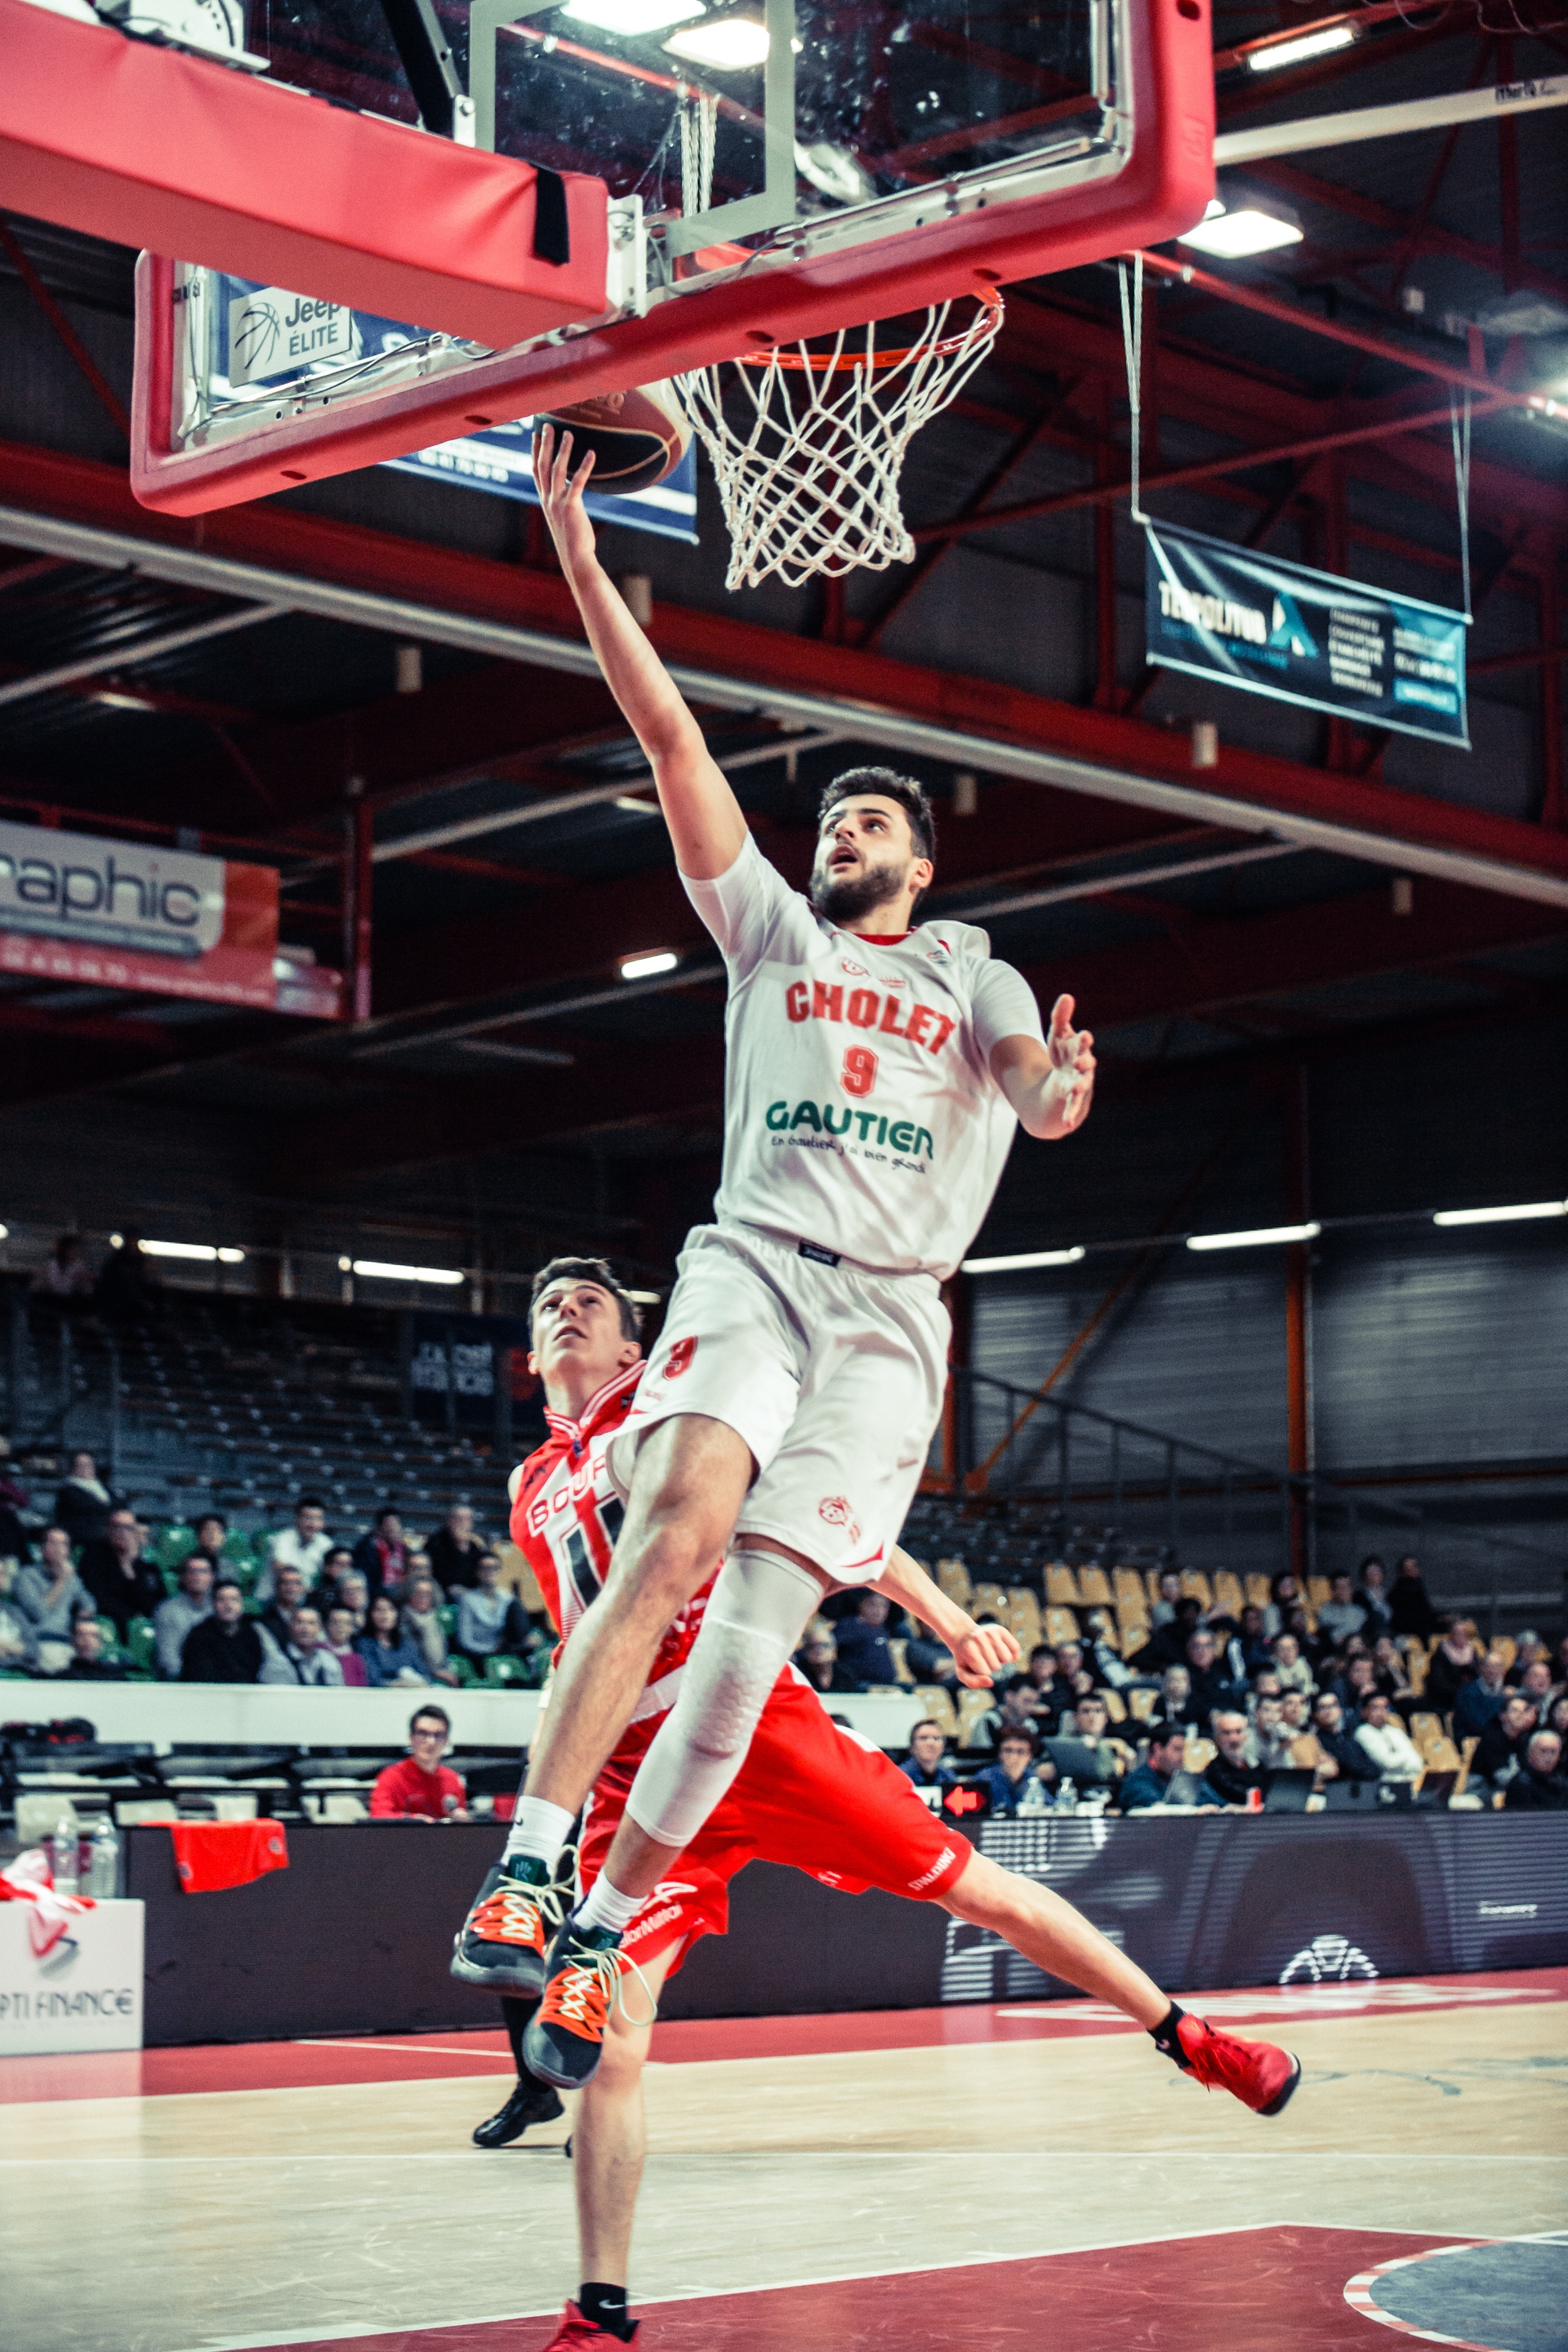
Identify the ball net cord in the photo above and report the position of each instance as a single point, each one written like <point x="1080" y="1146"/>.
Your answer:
<point x="809" y="458"/>
<point x="1460" y="427"/>
<point x="1133" y="350"/>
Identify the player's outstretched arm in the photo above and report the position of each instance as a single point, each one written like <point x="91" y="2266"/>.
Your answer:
<point x="980" y="1652"/>
<point x="1051" y="1085"/>
<point x="703" y="815"/>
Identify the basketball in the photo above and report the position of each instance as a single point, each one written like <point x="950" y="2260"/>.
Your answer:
<point x="638" y="438"/>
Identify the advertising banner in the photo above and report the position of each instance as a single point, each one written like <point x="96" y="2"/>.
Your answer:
<point x="121" y="914"/>
<point x="80" y="1989"/>
<point x="1217" y="610"/>
<point x="501" y="461"/>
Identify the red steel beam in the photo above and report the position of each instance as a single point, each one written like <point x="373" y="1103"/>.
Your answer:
<point x="1309" y="187"/>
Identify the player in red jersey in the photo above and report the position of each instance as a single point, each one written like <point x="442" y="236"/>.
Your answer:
<point x="809" y="1795"/>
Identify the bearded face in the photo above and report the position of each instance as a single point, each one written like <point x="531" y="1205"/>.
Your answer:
<point x="864" y="858"/>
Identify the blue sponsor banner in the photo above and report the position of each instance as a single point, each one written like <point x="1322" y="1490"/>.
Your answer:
<point x="501" y="460"/>
<point x="1275" y="628"/>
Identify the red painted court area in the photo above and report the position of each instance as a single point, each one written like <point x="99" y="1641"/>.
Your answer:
<point x="1264" y="2290"/>
<point x="297" y="2065"/>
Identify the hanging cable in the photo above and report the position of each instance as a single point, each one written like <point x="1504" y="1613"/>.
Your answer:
<point x="1132" y="347"/>
<point x="1459" y="425"/>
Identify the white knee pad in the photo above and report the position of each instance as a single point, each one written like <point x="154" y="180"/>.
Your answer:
<point x="759" y="1605"/>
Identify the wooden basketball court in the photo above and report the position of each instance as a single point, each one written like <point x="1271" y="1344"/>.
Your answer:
<point x="998" y="2176"/>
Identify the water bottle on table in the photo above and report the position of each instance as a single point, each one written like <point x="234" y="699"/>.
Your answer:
<point x="63" y="1859"/>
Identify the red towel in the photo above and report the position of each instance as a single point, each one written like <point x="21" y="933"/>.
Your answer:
<point x="210" y="1856"/>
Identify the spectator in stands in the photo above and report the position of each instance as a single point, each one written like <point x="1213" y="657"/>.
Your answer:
<point x="1342" y="1615"/>
<point x="52" y="1596"/>
<point x="1372" y="1591"/>
<point x="1536" y="1685"/>
<point x="1479" y="1701"/>
<point x="1013" y="1711"/>
<point x="1357" y="1683"/>
<point x="1393" y="1680"/>
<point x="1167" y="1646"/>
<point x="84" y="1502"/>
<point x="89" y="1660"/>
<point x="1294" y="1673"/>
<point x="1266" y="1684"/>
<point x="488" y="1618"/>
<point x="1272" y="1738"/>
<point x="817" y="1659"/>
<point x="1249" y="1646"/>
<point x="1163" y="1778"/>
<point x="381" y="1555"/>
<point x="1296" y="1716"/>
<point x="304" y="1545"/>
<point x="65" y="1275"/>
<point x="1012" y="1783"/>
<point x="1343" y="1758"/>
<point x="864" y="1650"/>
<point x="348" y="1590"/>
<point x="422" y="1789"/>
<point x="1560" y="1664"/>
<point x="17" y="1646"/>
<point x="226" y="1645"/>
<point x="1228" y="1772"/>
<point x="212" y="1534"/>
<point x="1454" y="1662"/>
<point x="308" y="1655"/>
<point x="927" y="1659"/>
<point x="13" y="1498"/>
<point x="1211" y="1685"/>
<point x="1387" y="1742"/>
<point x="1559" y="1718"/>
<point x="1163" y="1611"/>
<point x="1410" y="1609"/>
<point x="337" y="1632"/>
<point x="122" y="1581"/>
<point x="1284" y="1594"/>
<point x="1500" y="1752"/>
<point x="455" y="1552"/>
<point x="1539" y="1785"/>
<point x="1073" y="1678"/>
<point x="926" y="1764"/>
<point x="420" y="1618"/>
<point x="390" y="1655"/>
<point x="173" y="1618"/>
<point x="1104" y="1659"/>
<point x="1091" y="1723"/>
<point x="1045" y="1691"/>
<point x="127" y="1289"/>
<point x="277" y="1620"/>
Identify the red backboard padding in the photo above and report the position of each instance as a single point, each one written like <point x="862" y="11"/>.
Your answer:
<point x="148" y="147"/>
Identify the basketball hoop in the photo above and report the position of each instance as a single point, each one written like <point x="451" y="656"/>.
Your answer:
<point x="809" y="483"/>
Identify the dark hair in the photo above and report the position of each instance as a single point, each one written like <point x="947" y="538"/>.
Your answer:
<point x="1017" y="1731"/>
<point x="309" y="1503"/>
<point x="1162" y="1733"/>
<point x="434" y="1714"/>
<point x="1042" y="1650"/>
<point x="388" y="1511"/>
<point x="228" y="1584"/>
<point x="203" y="1516"/>
<point x="926" y="1723"/>
<point x="888" y="785"/>
<point x="587" y="1269"/>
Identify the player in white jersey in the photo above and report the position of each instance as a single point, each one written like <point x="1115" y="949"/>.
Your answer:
<point x="876" y="1072"/>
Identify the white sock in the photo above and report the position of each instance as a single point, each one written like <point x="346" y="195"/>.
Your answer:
<point x="539" y="1830"/>
<point x="605" y="1906"/>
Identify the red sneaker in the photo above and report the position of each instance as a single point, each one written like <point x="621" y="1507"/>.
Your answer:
<point x="576" y="2334"/>
<point x="1255" y="2073"/>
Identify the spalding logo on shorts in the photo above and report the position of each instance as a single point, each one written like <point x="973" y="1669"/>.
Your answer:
<point x="680" y="1359"/>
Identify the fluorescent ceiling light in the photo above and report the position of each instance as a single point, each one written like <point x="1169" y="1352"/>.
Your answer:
<point x="5" y="1233"/>
<point x="1021" y="1263"/>
<point x="636" y="808"/>
<point x="1501" y="1216"/>
<point x="1255" y="1239"/>
<point x="203" y="1251"/>
<point x="378" y="1271"/>
<point x="729" y="44"/>
<point x="114" y="699"/>
<point x="231" y="1257"/>
<point x="630" y="17"/>
<point x="643" y="967"/>
<point x="1234" y="236"/>
<point x="1295" y="53"/>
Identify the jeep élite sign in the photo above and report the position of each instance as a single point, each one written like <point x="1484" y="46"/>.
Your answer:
<point x="1278" y="629"/>
<point x="119" y="914"/>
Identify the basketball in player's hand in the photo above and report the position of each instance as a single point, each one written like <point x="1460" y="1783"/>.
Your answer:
<point x="638" y="438"/>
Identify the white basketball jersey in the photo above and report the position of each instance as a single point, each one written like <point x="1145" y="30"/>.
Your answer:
<point x="859" y="1108"/>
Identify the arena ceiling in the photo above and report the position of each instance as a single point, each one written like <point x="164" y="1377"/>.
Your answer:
<point x="233" y="681"/>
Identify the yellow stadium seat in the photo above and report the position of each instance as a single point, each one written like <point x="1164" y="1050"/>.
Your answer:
<point x="1143" y="1704"/>
<point x="1133" y="1631"/>
<point x="972" y="1705"/>
<point x="1061" y="1625"/>
<point x="1257" y="1595"/>
<point x="1416" y="1663"/>
<point x="1198" y="1753"/>
<point x="1061" y="1586"/>
<point x="1507" y="1647"/>
<point x="952" y="1578"/>
<point x="1228" y="1591"/>
<point x="1151" y="1584"/>
<point x="932" y="1699"/>
<point x="1319" y="1590"/>
<point x="1025" y="1620"/>
<point x="990" y="1600"/>
<point x="1424" y="1729"/>
<point x="1115" y="1706"/>
<point x="900" y="1661"/>
<point x="1195" y="1586"/>
<point x="1094" y="1588"/>
<point x="1128" y="1585"/>
<point x="1466" y="1752"/>
<point x="518" y="1578"/>
<point x="1441" y="1755"/>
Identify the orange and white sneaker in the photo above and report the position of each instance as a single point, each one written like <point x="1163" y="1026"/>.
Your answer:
<point x="566" y="2036"/>
<point x="576" y="2334"/>
<point x="503" y="1942"/>
<point x="1261" y="2076"/>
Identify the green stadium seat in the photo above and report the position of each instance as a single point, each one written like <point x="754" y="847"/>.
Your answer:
<point x="172" y="1545"/>
<point x="141" y="1643"/>
<point x="506" y="1673"/>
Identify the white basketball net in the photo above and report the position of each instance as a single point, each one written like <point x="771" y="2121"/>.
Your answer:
<point x="809" y="483"/>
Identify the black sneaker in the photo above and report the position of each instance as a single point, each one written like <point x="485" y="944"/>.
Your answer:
<point x="531" y="2103"/>
<point x="503" y="1942"/>
<point x="566" y="2036"/>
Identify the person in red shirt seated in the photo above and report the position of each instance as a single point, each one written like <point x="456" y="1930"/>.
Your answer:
<point x="422" y="1789"/>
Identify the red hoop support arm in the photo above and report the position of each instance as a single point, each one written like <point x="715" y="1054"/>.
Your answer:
<point x="125" y="139"/>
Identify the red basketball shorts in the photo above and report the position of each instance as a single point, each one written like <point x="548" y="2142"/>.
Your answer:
<point x="809" y="1795"/>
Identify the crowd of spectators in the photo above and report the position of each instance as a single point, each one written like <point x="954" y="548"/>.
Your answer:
<point x="300" y="1607"/>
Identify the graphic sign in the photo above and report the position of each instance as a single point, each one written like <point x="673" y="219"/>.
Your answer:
<point x="501" y="461"/>
<point x="71" y="1987"/>
<point x="275" y="333"/>
<point x="120" y="914"/>
<point x="1217" y="610"/>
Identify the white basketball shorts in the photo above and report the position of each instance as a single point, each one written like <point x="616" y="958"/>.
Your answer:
<point x="832" y="1374"/>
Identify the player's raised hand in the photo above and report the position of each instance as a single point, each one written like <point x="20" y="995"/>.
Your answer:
<point x="560" y="496"/>
<point x="984" y="1653"/>
<point x="1072" y="1064"/>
